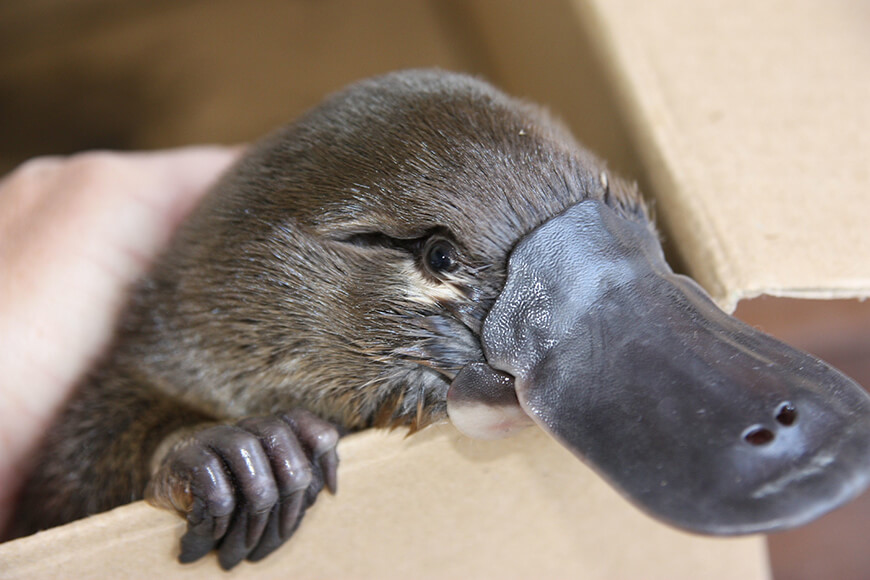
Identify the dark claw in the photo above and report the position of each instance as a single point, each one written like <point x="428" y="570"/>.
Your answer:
<point x="244" y="488"/>
<point x="203" y="532"/>
<point x="329" y="467"/>
<point x="256" y="524"/>
<point x="233" y="548"/>
<point x="194" y="546"/>
<point x="273" y="535"/>
<point x="290" y="514"/>
<point x="220" y="526"/>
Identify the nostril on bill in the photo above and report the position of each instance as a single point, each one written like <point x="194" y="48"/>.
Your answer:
<point x="787" y="414"/>
<point x="758" y="435"/>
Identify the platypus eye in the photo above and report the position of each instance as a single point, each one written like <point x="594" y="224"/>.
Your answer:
<point x="439" y="256"/>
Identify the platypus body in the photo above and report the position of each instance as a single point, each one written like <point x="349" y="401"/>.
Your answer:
<point x="421" y="244"/>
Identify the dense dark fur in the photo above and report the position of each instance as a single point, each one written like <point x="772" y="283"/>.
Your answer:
<point x="300" y="280"/>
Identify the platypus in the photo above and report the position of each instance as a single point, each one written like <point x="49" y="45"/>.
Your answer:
<point x="421" y="246"/>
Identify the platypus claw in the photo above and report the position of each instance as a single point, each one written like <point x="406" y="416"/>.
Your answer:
<point x="244" y="487"/>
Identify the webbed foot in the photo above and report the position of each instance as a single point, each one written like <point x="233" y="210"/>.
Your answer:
<point x="243" y="488"/>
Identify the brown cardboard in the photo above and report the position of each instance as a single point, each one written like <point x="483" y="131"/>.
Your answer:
<point x="434" y="505"/>
<point x="751" y="119"/>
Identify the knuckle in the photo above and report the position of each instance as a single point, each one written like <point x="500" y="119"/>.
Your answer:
<point x="319" y="435"/>
<point x="90" y="160"/>
<point x="299" y="478"/>
<point x="96" y="173"/>
<point x="31" y="181"/>
<point x="227" y="439"/>
<point x="221" y="504"/>
<point x="325" y="439"/>
<point x="269" y="430"/>
<point x="258" y="423"/>
<point x="90" y="166"/>
<point x="262" y="495"/>
<point x="244" y="442"/>
<point x="37" y="167"/>
<point x="185" y="459"/>
<point x="209" y="482"/>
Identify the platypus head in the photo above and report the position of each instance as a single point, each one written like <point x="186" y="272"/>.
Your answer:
<point x="422" y="243"/>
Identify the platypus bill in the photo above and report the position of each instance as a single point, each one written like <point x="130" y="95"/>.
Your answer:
<point x="421" y="244"/>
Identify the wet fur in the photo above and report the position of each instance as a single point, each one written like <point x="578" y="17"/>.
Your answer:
<point x="299" y="280"/>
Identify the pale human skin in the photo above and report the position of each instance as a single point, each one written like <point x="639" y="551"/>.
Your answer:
<point x="75" y="232"/>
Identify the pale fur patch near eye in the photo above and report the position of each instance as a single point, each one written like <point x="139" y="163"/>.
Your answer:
<point x="423" y="290"/>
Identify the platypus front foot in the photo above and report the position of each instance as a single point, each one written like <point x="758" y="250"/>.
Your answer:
<point x="244" y="487"/>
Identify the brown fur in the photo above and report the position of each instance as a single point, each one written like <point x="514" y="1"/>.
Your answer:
<point x="299" y="280"/>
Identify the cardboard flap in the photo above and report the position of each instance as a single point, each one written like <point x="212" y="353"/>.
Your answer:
<point x="752" y="122"/>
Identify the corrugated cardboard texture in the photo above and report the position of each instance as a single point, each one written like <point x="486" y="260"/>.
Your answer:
<point x="434" y="505"/>
<point x="752" y="119"/>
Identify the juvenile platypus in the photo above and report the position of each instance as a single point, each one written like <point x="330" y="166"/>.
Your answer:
<point x="417" y="245"/>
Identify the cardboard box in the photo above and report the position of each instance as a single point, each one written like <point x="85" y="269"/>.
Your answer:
<point x="746" y="123"/>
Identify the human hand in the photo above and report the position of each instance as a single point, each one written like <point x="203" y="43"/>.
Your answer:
<point x="75" y="233"/>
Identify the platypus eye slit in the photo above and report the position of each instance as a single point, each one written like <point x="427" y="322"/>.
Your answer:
<point x="434" y="253"/>
<point x="439" y="256"/>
